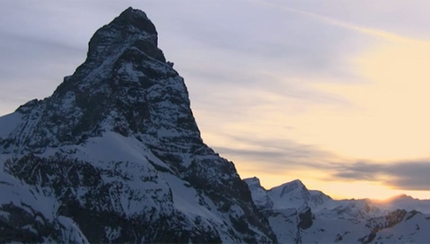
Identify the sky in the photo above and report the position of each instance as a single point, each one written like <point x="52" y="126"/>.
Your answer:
<point x="333" y="92"/>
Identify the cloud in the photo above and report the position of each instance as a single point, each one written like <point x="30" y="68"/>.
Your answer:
<point x="233" y="46"/>
<point x="365" y="30"/>
<point x="289" y="156"/>
<point x="273" y="155"/>
<point x="28" y="70"/>
<point x="392" y="16"/>
<point x="402" y="175"/>
<point x="266" y="38"/>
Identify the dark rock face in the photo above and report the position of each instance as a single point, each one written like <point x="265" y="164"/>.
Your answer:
<point x="305" y="219"/>
<point x="124" y="81"/>
<point x="116" y="153"/>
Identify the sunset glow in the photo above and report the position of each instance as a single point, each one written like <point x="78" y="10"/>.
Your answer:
<point x="333" y="95"/>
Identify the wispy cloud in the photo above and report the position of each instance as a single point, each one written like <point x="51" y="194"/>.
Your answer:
<point x="27" y="68"/>
<point x="402" y="175"/>
<point x="276" y="156"/>
<point x="361" y="29"/>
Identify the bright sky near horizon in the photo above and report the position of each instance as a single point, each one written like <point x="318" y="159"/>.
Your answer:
<point x="333" y="92"/>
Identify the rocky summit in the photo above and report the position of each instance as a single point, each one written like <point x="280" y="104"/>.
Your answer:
<point x="114" y="155"/>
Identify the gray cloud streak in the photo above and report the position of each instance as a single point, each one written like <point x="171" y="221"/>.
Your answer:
<point x="403" y="175"/>
<point x="276" y="156"/>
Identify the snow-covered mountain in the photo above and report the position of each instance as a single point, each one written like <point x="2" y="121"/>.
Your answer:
<point x="404" y="202"/>
<point x="115" y="155"/>
<point x="299" y="215"/>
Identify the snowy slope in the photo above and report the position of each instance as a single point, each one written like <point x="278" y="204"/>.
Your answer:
<point x="295" y="195"/>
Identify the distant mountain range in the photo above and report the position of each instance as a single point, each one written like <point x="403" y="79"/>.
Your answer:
<point x="114" y="155"/>
<point x="297" y="215"/>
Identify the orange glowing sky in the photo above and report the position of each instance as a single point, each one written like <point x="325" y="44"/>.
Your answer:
<point x="334" y="94"/>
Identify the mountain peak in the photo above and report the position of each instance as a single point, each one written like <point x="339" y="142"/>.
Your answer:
<point x="125" y="36"/>
<point x="258" y="193"/>
<point x="131" y="28"/>
<point x="296" y="182"/>
<point x="295" y="185"/>
<point x="125" y="85"/>
<point x="254" y="181"/>
<point x="121" y="158"/>
<point x="135" y="18"/>
<point x="400" y="198"/>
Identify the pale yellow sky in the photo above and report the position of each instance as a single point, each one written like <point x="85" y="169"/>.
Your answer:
<point x="284" y="89"/>
<point x="387" y="121"/>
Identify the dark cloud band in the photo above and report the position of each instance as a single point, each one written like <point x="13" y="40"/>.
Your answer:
<point x="403" y="175"/>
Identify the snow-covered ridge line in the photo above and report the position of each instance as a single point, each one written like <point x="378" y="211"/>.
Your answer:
<point x="294" y="194"/>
